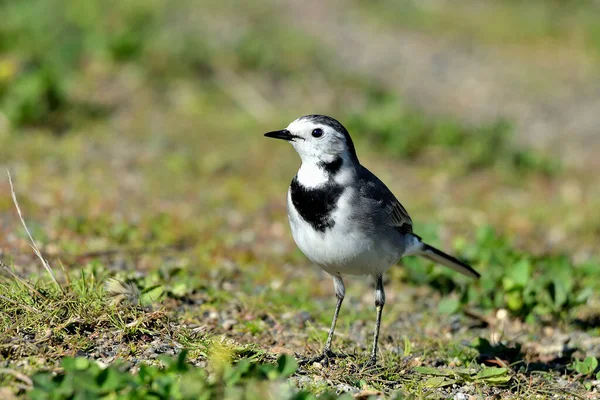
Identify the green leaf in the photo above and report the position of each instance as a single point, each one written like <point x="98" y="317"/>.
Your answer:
<point x="438" y="381"/>
<point x="449" y="305"/>
<point x="491" y="372"/>
<point x="582" y="367"/>
<point x="180" y="289"/>
<point x="235" y="374"/>
<point x="109" y="379"/>
<point x="43" y="381"/>
<point x="82" y="363"/>
<point x="68" y="364"/>
<point x="75" y="363"/>
<point x="407" y="347"/>
<point x="520" y="272"/>
<point x="514" y="301"/>
<point x="270" y="372"/>
<point x="591" y="363"/>
<point x="560" y="293"/>
<point x="180" y="365"/>
<point x="497" y="380"/>
<point x="584" y="295"/>
<point x="433" y="371"/>
<point x="151" y="295"/>
<point x="286" y="365"/>
<point x="579" y="366"/>
<point x="464" y="371"/>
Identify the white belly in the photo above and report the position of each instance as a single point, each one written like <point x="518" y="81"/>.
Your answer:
<point x="344" y="248"/>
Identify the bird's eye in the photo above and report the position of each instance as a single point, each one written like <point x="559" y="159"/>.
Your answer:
<point x="317" y="132"/>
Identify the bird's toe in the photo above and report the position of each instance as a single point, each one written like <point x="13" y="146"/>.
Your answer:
<point x="325" y="358"/>
<point x="370" y="363"/>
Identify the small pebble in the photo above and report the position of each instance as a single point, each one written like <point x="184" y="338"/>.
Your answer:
<point x="229" y="324"/>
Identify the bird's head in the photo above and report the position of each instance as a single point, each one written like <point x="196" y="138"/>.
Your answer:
<point x="318" y="139"/>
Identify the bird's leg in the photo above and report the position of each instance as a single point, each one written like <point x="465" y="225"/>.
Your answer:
<point x="379" y="302"/>
<point x="327" y="348"/>
<point x="327" y="354"/>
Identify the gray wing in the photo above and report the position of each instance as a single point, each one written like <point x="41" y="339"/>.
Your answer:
<point x="382" y="202"/>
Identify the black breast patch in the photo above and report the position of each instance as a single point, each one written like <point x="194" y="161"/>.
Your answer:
<point x="315" y="206"/>
<point x="332" y="168"/>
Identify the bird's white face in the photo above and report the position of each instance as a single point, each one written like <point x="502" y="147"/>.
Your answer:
<point x="316" y="142"/>
<point x="317" y="139"/>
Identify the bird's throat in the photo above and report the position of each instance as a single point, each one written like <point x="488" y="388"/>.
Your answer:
<point x="317" y="174"/>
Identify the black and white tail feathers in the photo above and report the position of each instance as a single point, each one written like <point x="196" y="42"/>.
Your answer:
<point x="419" y="248"/>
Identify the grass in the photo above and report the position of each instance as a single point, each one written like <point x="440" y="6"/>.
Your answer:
<point x="534" y="26"/>
<point x="135" y="148"/>
<point x="408" y="133"/>
<point x="546" y="287"/>
<point x="177" y="380"/>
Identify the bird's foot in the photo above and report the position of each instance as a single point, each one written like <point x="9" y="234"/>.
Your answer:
<point x="370" y="363"/>
<point x="325" y="358"/>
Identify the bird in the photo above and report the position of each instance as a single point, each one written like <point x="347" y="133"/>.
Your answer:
<point x="345" y="219"/>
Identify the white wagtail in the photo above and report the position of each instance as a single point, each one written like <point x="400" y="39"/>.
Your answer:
<point x="344" y="219"/>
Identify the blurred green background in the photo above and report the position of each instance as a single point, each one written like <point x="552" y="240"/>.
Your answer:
<point x="135" y="126"/>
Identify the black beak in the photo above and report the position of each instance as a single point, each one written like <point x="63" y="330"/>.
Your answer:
<point x="282" y="134"/>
